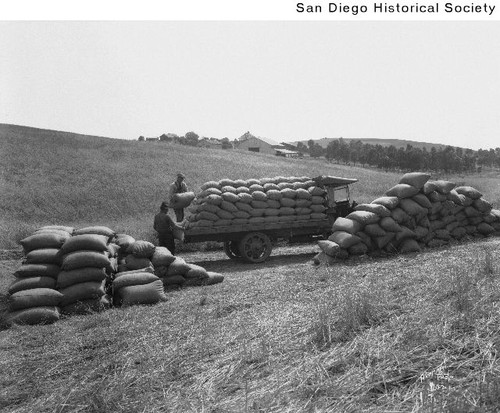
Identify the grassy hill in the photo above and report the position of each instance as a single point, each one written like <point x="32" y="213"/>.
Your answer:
<point x="398" y="143"/>
<point x="52" y="177"/>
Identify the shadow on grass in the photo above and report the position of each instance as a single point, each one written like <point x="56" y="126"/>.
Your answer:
<point x="4" y="306"/>
<point x="231" y="266"/>
<point x="283" y="257"/>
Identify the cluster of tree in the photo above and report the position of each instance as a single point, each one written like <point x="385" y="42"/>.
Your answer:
<point x="190" y="138"/>
<point x="443" y="158"/>
<point x="226" y="144"/>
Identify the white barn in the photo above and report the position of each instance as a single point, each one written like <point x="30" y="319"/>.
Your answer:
<point x="249" y="142"/>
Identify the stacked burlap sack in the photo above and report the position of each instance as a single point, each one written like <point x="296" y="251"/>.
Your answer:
<point x="33" y="297"/>
<point x="257" y="201"/>
<point x="88" y="260"/>
<point x="137" y="287"/>
<point x="122" y="241"/>
<point x="413" y="214"/>
<point x="181" y="273"/>
<point x="149" y="270"/>
<point x="89" y="269"/>
<point x="135" y="282"/>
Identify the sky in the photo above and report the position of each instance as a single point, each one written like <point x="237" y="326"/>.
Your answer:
<point x="429" y="81"/>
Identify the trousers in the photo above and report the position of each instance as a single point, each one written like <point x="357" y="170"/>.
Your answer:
<point x="166" y="239"/>
<point x="179" y="214"/>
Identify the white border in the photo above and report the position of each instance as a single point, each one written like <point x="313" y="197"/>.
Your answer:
<point x="228" y="10"/>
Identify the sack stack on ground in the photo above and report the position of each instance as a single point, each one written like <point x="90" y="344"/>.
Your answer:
<point x="68" y="271"/>
<point x="137" y="287"/>
<point x="257" y="201"/>
<point x="413" y="214"/>
<point x="180" y="273"/>
<point x="122" y="242"/>
<point x="150" y="270"/>
<point x="33" y="297"/>
<point x="135" y="283"/>
<point x="170" y="269"/>
<point x="138" y="255"/>
<point x="88" y="260"/>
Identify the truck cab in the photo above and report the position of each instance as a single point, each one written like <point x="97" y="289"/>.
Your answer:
<point x="338" y="195"/>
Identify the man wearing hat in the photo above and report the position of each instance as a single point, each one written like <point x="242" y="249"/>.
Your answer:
<point x="177" y="187"/>
<point x="164" y="226"/>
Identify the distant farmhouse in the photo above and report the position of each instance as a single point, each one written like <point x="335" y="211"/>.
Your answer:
<point x="249" y="142"/>
<point x="287" y="153"/>
<point x="246" y="142"/>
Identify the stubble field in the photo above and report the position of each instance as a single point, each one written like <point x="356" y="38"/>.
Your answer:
<point x="402" y="333"/>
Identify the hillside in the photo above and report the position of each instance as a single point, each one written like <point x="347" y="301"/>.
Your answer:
<point x="52" y="177"/>
<point x="398" y="143"/>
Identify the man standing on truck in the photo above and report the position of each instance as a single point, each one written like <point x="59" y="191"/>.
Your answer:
<point x="177" y="187"/>
<point x="164" y="226"/>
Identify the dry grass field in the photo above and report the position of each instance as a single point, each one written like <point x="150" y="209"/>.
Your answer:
<point x="409" y="333"/>
<point x="400" y="333"/>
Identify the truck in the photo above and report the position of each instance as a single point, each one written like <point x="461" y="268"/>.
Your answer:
<point x="253" y="243"/>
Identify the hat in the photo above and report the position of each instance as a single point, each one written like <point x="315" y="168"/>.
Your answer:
<point x="164" y="205"/>
<point x="180" y="175"/>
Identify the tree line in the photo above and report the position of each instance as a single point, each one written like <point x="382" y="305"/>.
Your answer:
<point x="190" y="139"/>
<point x="442" y="158"/>
<point x="355" y="152"/>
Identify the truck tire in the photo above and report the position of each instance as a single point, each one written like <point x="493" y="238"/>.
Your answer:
<point x="255" y="247"/>
<point x="231" y="248"/>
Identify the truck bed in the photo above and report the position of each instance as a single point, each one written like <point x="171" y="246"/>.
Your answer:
<point x="276" y="230"/>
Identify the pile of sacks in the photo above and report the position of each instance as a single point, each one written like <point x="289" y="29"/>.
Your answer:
<point x="88" y="259"/>
<point x="145" y="271"/>
<point x="257" y="201"/>
<point x="413" y="214"/>
<point x="33" y="297"/>
<point x="68" y="271"/>
<point x="136" y="281"/>
<point x="65" y="271"/>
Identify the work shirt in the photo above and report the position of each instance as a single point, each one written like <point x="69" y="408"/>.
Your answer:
<point x="163" y="223"/>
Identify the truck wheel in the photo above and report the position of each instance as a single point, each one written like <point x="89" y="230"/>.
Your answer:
<point x="231" y="249"/>
<point x="255" y="247"/>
